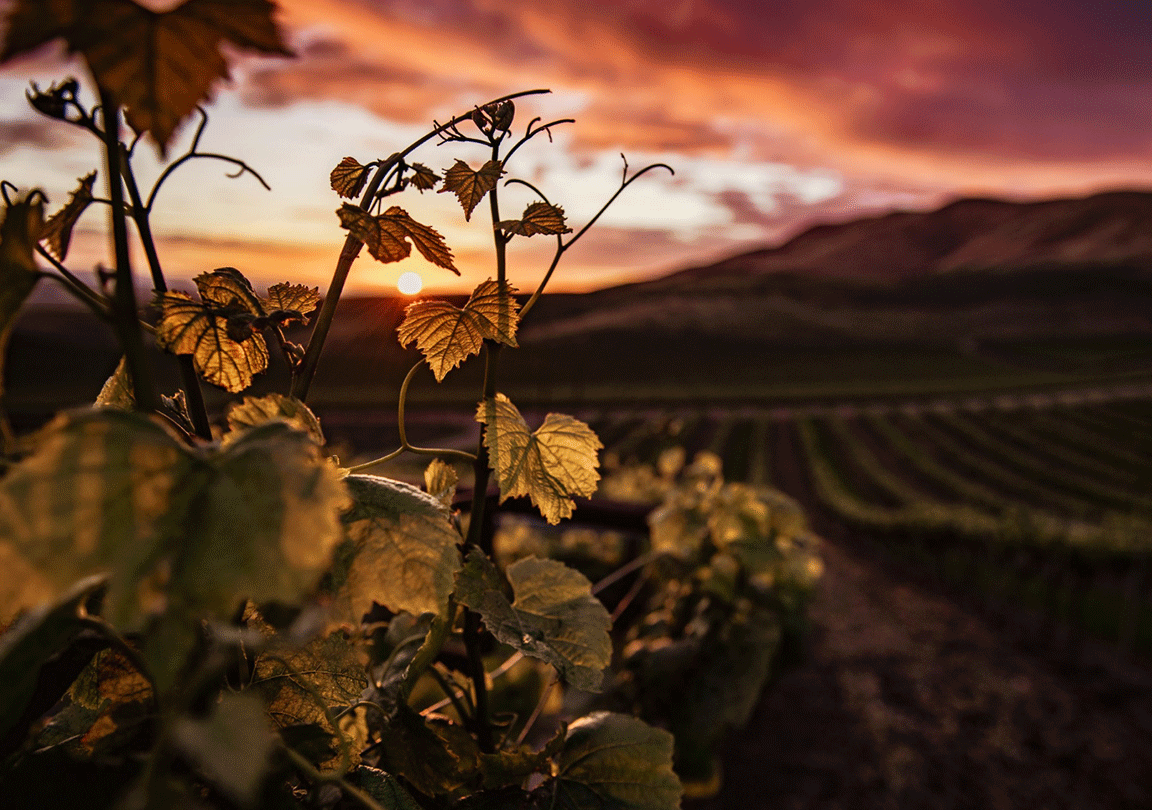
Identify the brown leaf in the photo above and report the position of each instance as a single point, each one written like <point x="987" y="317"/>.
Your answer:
<point x="387" y="236"/>
<point x="539" y="217"/>
<point x="159" y="65"/>
<point x="289" y="298"/>
<point x="57" y="230"/>
<point x="469" y="186"/>
<point x="423" y="178"/>
<point x="348" y="177"/>
<point x="191" y="327"/>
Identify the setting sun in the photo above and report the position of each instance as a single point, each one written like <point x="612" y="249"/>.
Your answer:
<point x="410" y="283"/>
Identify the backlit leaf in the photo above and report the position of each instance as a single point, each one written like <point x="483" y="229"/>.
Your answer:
<point x="57" y="232"/>
<point x="19" y="231"/>
<point x="349" y="177"/>
<point x="447" y="335"/>
<point x="255" y="411"/>
<point x="614" y="760"/>
<point x="387" y="236"/>
<point x="113" y="492"/>
<point x="191" y="327"/>
<point x="159" y="65"/>
<point x="401" y="551"/>
<point x="291" y="299"/>
<point x="117" y="391"/>
<point x="232" y="746"/>
<point x="440" y="481"/>
<point x="227" y="287"/>
<point x="539" y="217"/>
<point x="471" y="186"/>
<point x="551" y="465"/>
<point x="553" y="617"/>
<point x="423" y="178"/>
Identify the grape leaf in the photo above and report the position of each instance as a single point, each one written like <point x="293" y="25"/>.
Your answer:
<point x="554" y="616"/>
<point x="613" y="760"/>
<point x="447" y="335"/>
<point x="423" y="178"/>
<point x="232" y="746"/>
<point x="117" y="390"/>
<point x="19" y="230"/>
<point x="469" y="186"/>
<point x="435" y="756"/>
<point x="387" y="236"/>
<point x="384" y="788"/>
<point x="188" y="326"/>
<point x="255" y="411"/>
<point x="227" y="287"/>
<point x="57" y="230"/>
<point x="539" y="217"/>
<point x="159" y="65"/>
<point x="551" y="465"/>
<point x="301" y="685"/>
<point x="110" y="491"/>
<point x="349" y="177"/>
<point x="440" y="481"/>
<point x="291" y="299"/>
<point x="400" y="552"/>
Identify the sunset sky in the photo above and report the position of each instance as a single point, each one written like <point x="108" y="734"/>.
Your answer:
<point x="776" y="115"/>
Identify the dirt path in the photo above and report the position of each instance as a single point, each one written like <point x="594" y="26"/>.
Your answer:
<point x="911" y="697"/>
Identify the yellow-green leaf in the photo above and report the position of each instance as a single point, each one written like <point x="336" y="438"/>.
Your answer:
<point x="401" y="551"/>
<point x="471" y="186"/>
<point x="423" y="178"/>
<point x="190" y="327"/>
<point x="19" y="230"/>
<point x="554" y="616"/>
<point x="255" y="411"/>
<point x="57" y="232"/>
<point x="159" y="65"/>
<point x="447" y="335"/>
<point x="390" y="236"/>
<point x="539" y="217"/>
<point x="349" y="177"/>
<point x="617" y="761"/>
<point x="440" y="481"/>
<point x="551" y="465"/>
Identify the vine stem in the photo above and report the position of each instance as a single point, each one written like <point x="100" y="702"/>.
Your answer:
<point x="126" y="316"/>
<point x="302" y="381"/>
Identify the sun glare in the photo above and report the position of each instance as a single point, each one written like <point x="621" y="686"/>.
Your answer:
<point x="410" y="283"/>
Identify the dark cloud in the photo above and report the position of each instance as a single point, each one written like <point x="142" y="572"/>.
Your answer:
<point x="35" y="134"/>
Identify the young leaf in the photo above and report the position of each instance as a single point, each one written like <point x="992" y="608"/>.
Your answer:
<point x="440" y="481"/>
<point x="193" y="327"/>
<point x="227" y="287"/>
<point x="423" y="178"/>
<point x="469" y="186"/>
<point x="539" y="217"/>
<point x="401" y="551"/>
<point x="617" y="761"/>
<point x="159" y="65"/>
<point x="255" y="411"/>
<point x="551" y="465"/>
<point x="349" y="177"/>
<point x="117" y="391"/>
<point x="57" y="230"/>
<point x="232" y="746"/>
<point x="387" y="236"/>
<point x="294" y="300"/>
<point x="554" y="616"/>
<point x="19" y="231"/>
<point x="447" y="335"/>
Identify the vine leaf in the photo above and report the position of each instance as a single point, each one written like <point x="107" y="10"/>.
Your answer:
<point x="113" y="492"/>
<point x="400" y="551"/>
<point x="554" y="616"/>
<point x="387" y="236"/>
<point x="217" y="330"/>
<point x="435" y="756"/>
<point x="440" y="480"/>
<point x="19" y="230"/>
<point x="349" y="177"/>
<point x="255" y="411"/>
<point x="551" y="465"/>
<point x="614" y="760"/>
<point x="384" y="788"/>
<point x="159" y="65"/>
<point x="302" y="684"/>
<point x="471" y="186"/>
<point x="539" y="217"/>
<point x="423" y="178"/>
<point x="117" y="391"/>
<point x="57" y="231"/>
<point x="447" y="335"/>
<point x="232" y="746"/>
<point x="291" y="303"/>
